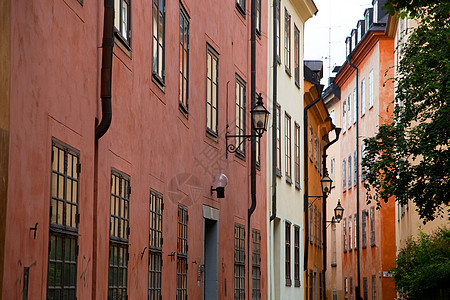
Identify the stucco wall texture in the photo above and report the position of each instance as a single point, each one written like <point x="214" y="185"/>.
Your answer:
<point x="55" y="93"/>
<point x="375" y="53"/>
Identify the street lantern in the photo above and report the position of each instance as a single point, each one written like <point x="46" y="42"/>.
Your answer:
<point x="260" y="116"/>
<point x="338" y="212"/>
<point x="326" y="184"/>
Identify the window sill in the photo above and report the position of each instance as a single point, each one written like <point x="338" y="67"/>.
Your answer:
<point x="258" y="166"/>
<point x="297" y="84"/>
<point x="288" y="179"/>
<point x="288" y="71"/>
<point x="278" y="60"/>
<point x="288" y="282"/>
<point x="240" y="154"/>
<point x="297" y="283"/>
<point x="278" y="172"/>
<point x="258" y="33"/>
<point x="122" y="43"/>
<point x="212" y="135"/>
<point x="241" y="10"/>
<point x="183" y="110"/>
<point x="297" y="185"/>
<point x="159" y="82"/>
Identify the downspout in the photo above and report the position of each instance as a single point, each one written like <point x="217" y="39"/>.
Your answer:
<point x="358" y="257"/>
<point x="319" y="88"/>
<point x="252" y="131"/>
<point x="106" y="75"/>
<point x="100" y="130"/>
<point x="274" y="116"/>
<point x="324" y="210"/>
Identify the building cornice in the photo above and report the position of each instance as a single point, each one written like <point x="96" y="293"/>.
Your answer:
<point x="304" y="8"/>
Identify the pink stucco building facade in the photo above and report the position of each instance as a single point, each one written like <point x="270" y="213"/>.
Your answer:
<point x="133" y="211"/>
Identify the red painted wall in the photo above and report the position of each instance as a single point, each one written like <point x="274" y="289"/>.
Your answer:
<point x="56" y="57"/>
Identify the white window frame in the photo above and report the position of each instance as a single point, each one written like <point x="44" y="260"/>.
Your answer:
<point x="363" y="97"/>
<point x="371" y="89"/>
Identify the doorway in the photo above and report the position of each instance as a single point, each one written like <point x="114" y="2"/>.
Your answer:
<point x="210" y="253"/>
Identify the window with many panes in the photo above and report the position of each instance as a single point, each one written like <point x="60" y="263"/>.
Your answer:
<point x="333" y="171"/>
<point x="122" y="21"/>
<point x="372" y="226"/>
<point x="350" y="233"/>
<point x="349" y="111"/>
<point x="287" y="40"/>
<point x="258" y="17"/>
<point x="240" y="5"/>
<point x="287" y="253"/>
<point x="355" y="102"/>
<point x="344" y="225"/>
<point x="212" y="90"/>
<point x="316" y="150"/>
<point x="159" y="37"/>
<point x="370" y="89"/>
<point x="296" y="256"/>
<point x="355" y="219"/>
<point x="364" y="229"/>
<point x="155" y="245"/>
<point x="374" y="287"/>
<point x="311" y="284"/>
<point x="278" y="41"/>
<point x="351" y="288"/>
<point x="287" y="151"/>
<point x="365" y="289"/>
<point x="279" y="138"/>
<point x="184" y="59"/>
<point x="355" y="168"/>
<point x="311" y="220"/>
<point x="118" y="236"/>
<point x="349" y="171"/>
<point x="344" y="169"/>
<point x="311" y="142"/>
<point x="256" y="264"/>
<point x="363" y="173"/>
<point x="363" y="97"/>
<point x="297" y="154"/>
<point x="297" y="55"/>
<point x="240" y="115"/>
<point x="239" y="262"/>
<point x="182" y="252"/>
<point x="64" y="219"/>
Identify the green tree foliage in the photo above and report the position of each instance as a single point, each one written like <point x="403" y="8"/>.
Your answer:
<point x="422" y="268"/>
<point x="409" y="157"/>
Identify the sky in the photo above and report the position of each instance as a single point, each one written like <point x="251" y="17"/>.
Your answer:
<point x="325" y="32"/>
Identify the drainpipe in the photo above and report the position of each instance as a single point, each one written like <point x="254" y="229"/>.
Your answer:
<point x="358" y="257"/>
<point x="324" y="210"/>
<point x="106" y="75"/>
<point x="100" y="130"/>
<point x="319" y="88"/>
<point x="253" y="140"/>
<point x="274" y="116"/>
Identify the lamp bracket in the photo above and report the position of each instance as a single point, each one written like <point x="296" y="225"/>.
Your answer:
<point x="232" y="148"/>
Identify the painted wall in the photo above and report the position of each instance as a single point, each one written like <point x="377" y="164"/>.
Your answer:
<point x="289" y="195"/>
<point x="333" y="273"/>
<point x="55" y="72"/>
<point x="374" y="53"/>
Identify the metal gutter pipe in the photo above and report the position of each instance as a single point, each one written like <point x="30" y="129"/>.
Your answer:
<point x="319" y="88"/>
<point x="106" y="73"/>
<point x="253" y="140"/>
<point x="274" y="116"/>
<point x="324" y="209"/>
<point x="358" y="257"/>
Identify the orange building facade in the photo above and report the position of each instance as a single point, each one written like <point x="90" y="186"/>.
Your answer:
<point x="317" y="125"/>
<point x="368" y="241"/>
<point x="130" y="213"/>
